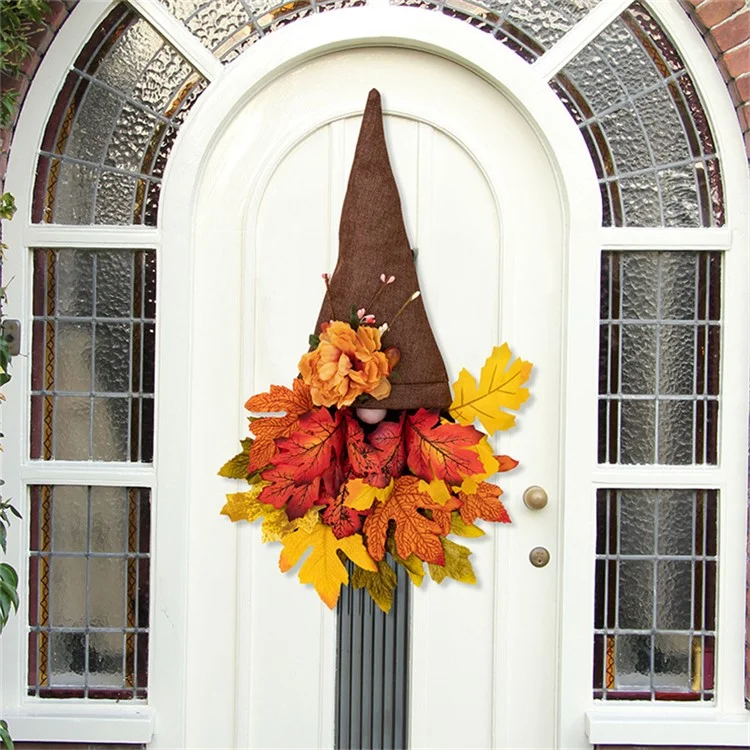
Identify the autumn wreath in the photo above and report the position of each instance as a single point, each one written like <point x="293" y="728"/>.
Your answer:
<point x="380" y="494"/>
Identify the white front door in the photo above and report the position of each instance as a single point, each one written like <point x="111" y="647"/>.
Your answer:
<point x="482" y="206"/>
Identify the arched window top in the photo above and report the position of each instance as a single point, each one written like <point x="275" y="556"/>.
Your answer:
<point x="111" y="131"/>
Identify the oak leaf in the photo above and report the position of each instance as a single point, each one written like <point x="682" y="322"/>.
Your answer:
<point x="323" y="568"/>
<point x="313" y="447"/>
<point x="294" y="402"/>
<point x="414" y="533"/>
<point x="484" y="503"/>
<point x="498" y="391"/>
<point x="456" y="566"/>
<point x="380" y="586"/>
<point x="440" y="450"/>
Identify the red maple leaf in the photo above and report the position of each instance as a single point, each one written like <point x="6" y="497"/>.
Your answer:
<point x="414" y="533"/>
<point x="506" y="463"/>
<point x="484" y="503"/>
<point x="441" y="451"/>
<point x="368" y="462"/>
<point x="284" y="491"/>
<point x="309" y="451"/>
<point x="344" y="521"/>
<point x="388" y="439"/>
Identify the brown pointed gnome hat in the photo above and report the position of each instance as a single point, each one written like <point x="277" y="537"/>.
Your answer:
<point x="373" y="242"/>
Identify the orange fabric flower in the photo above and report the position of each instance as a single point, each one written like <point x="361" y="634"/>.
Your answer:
<point x="346" y="364"/>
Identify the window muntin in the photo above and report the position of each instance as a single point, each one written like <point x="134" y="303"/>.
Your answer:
<point x="89" y="592"/>
<point x="659" y="358"/>
<point x="655" y="605"/>
<point x="93" y="351"/>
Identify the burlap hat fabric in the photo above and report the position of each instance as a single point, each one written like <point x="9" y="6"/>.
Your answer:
<point x="373" y="241"/>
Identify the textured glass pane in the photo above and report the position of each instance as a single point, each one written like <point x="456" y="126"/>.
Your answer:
<point x="676" y="523"/>
<point x="93" y="339"/>
<point x="676" y="359"/>
<point x="672" y="661"/>
<point x="638" y="359"/>
<point x="106" y="660"/>
<point x="70" y="519"/>
<point x="109" y="519"/>
<point x="89" y="605"/>
<point x="72" y="428"/>
<point x="640" y="286"/>
<point x="630" y="94"/>
<point x="636" y="603"/>
<point x="110" y="429"/>
<point x="73" y="356"/>
<point x="636" y="522"/>
<point x="67" y="599"/>
<point x="637" y="432"/>
<point x="676" y="429"/>
<point x="633" y="661"/>
<point x="673" y="594"/>
<point x="542" y="22"/>
<point x="115" y="124"/>
<point x="678" y="286"/>
<point x="219" y="22"/>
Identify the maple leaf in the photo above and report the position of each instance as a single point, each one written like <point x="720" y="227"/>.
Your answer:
<point x="367" y="461"/>
<point x="506" y="463"/>
<point x="361" y="496"/>
<point x="237" y="466"/>
<point x="317" y="443"/>
<point x="437" y="450"/>
<point x="245" y="506"/>
<point x="380" y="586"/>
<point x="388" y="439"/>
<point x="276" y="525"/>
<point x="323" y="568"/>
<point x="484" y="503"/>
<point x="343" y="520"/>
<point x="412" y="564"/>
<point x="499" y="390"/>
<point x="283" y="490"/>
<point x="459" y="528"/>
<point x="414" y="532"/>
<point x="456" y="566"/>
<point x="490" y="465"/>
<point x="294" y="402"/>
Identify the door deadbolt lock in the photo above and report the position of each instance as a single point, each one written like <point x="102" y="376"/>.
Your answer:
<point x="535" y="497"/>
<point x="539" y="557"/>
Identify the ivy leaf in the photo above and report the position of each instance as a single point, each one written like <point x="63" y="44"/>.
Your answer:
<point x="323" y="568"/>
<point x="499" y="390"/>
<point x="380" y="586"/>
<point x="456" y="566"/>
<point x="484" y="503"/>
<point x="414" y="532"/>
<point x="294" y="402"/>
<point x="437" y="450"/>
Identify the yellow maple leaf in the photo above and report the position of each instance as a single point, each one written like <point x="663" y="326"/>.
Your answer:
<point x="380" y="585"/>
<point x="437" y="489"/>
<point x="456" y="566"/>
<point x="459" y="527"/>
<point x="323" y="567"/>
<point x="361" y="496"/>
<point x="245" y="506"/>
<point x="413" y="565"/>
<point x="499" y="390"/>
<point x="489" y="462"/>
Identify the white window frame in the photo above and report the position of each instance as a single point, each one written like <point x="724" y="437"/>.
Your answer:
<point x="726" y="721"/>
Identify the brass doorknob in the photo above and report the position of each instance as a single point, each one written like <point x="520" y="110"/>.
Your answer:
<point x="539" y="557"/>
<point x="535" y="497"/>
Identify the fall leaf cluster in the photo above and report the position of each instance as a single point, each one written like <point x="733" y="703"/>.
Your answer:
<point x="322" y="481"/>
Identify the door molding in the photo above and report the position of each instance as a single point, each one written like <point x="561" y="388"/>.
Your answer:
<point x="182" y="557"/>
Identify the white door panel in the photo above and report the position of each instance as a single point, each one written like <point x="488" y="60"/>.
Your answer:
<point x="481" y="204"/>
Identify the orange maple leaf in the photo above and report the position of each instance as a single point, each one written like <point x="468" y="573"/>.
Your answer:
<point x="367" y="461"/>
<point x="294" y="402"/>
<point x="283" y="491"/>
<point x="441" y="451"/>
<point x="388" y="439"/>
<point x="314" y="447"/>
<point x="414" y="532"/>
<point x="484" y="503"/>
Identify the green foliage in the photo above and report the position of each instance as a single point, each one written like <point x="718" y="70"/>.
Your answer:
<point x="5" y="735"/>
<point x="18" y="20"/>
<point x="7" y="206"/>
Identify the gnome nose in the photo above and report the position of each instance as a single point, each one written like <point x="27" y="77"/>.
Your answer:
<point x="373" y="245"/>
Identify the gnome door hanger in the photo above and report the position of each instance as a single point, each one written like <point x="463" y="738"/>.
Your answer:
<point x="375" y="460"/>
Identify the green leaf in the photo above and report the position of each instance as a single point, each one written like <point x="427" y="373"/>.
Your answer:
<point x="11" y="593"/>
<point x="380" y="585"/>
<point x="9" y="575"/>
<point x="314" y="341"/>
<point x="456" y="566"/>
<point x="354" y="318"/>
<point x="3" y="537"/>
<point x="5" y="735"/>
<point x="14" y="511"/>
<point x="236" y="467"/>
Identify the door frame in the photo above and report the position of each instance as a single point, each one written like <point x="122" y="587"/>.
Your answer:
<point x="179" y="382"/>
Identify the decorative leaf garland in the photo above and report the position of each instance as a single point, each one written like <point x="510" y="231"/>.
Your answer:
<point x="323" y="481"/>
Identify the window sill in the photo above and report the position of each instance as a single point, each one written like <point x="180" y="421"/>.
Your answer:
<point x="80" y="723"/>
<point x="640" y="727"/>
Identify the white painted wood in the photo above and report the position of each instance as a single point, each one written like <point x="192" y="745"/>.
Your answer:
<point x="179" y="36"/>
<point x="690" y="240"/>
<point x="88" y="472"/>
<point x="99" y="236"/>
<point x="587" y="29"/>
<point x="690" y="727"/>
